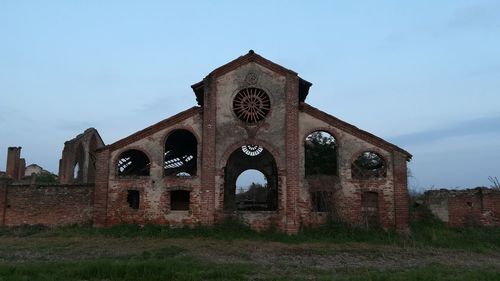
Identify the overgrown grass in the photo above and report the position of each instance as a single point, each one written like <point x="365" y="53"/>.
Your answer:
<point x="426" y="233"/>
<point x="186" y="268"/>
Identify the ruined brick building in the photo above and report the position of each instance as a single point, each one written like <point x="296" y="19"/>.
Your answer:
<point x="251" y="114"/>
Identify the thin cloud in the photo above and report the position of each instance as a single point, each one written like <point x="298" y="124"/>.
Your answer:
<point x="486" y="70"/>
<point x="458" y="129"/>
<point x="485" y="15"/>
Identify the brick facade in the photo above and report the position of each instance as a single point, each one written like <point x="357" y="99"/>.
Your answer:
<point x="148" y="196"/>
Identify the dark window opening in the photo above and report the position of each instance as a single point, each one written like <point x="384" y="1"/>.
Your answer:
<point x="369" y="165"/>
<point x="179" y="200"/>
<point x="320" y="154"/>
<point x="133" y="199"/>
<point x="181" y="151"/>
<point x="369" y="208"/>
<point x="321" y="201"/>
<point x="133" y="163"/>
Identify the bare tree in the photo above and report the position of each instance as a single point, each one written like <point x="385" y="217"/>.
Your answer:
<point x="495" y="184"/>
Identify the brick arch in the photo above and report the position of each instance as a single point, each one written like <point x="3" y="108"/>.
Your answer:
<point x="238" y="162"/>
<point x="267" y="146"/>
<point x="121" y="151"/>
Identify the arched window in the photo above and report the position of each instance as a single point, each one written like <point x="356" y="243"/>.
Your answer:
<point x="133" y="163"/>
<point x="181" y="154"/>
<point x="252" y="191"/>
<point x="320" y="154"/>
<point x="369" y="165"/>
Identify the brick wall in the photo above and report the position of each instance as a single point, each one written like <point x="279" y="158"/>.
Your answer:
<point x="49" y="205"/>
<point x="101" y="187"/>
<point x="464" y="210"/>
<point x="292" y="157"/>
<point x="458" y="208"/>
<point x="400" y="191"/>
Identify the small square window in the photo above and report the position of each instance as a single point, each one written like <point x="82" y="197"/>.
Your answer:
<point x="179" y="200"/>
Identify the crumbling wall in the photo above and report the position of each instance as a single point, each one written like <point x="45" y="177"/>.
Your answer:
<point x="78" y="162"/>
<point x="52" y="205"/>
<point x="458" y="208"/>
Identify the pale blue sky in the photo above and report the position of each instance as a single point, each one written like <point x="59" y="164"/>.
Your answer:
<point x="422" y="74"/>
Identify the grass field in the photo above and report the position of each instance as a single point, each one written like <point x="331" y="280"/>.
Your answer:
<point x="232" y="251"/>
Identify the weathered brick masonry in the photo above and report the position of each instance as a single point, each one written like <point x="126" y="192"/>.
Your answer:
<point x="251" y="115"/>
<point x="48" y="205"/>
<point x="458" y="208"/>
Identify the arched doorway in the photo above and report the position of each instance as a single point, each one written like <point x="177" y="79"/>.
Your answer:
<point x="248" y="160"/>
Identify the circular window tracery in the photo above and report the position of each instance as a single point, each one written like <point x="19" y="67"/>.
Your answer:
<point x="252" y="150"/>
<point x="251" y="105"/>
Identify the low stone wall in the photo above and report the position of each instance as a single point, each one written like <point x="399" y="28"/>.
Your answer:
<point x="51" y="205"/>
<point x="458" y="208"/>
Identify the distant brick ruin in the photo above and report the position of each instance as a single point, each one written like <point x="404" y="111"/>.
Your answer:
<point x="78" y="162"/>
<point x="469" y="207"/>
<point x="251" y="114"/>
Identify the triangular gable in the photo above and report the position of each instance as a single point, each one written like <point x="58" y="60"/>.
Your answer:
<point x="251" y="56"/>
<point x="353" y="130"/>
<point x="181" y="116"/>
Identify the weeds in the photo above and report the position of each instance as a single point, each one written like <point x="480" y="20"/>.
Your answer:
<point x="427" y="232"/>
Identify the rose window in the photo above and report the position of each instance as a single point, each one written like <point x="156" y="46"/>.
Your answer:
<point x="251" y="105"/>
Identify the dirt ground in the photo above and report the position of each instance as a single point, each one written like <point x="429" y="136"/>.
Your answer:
<point x="14" y="250"/>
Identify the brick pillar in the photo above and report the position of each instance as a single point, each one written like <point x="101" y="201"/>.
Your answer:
<point x="22" y="168"/>
<point x="292" y="155"/>
<point x="400" y="192"/>
<point x="208" y="153"/>
<point x="101" y="188"/>
<point x="4" y="183"/>
<point x="13" y="158"/>
<point x="66" y="164"/>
